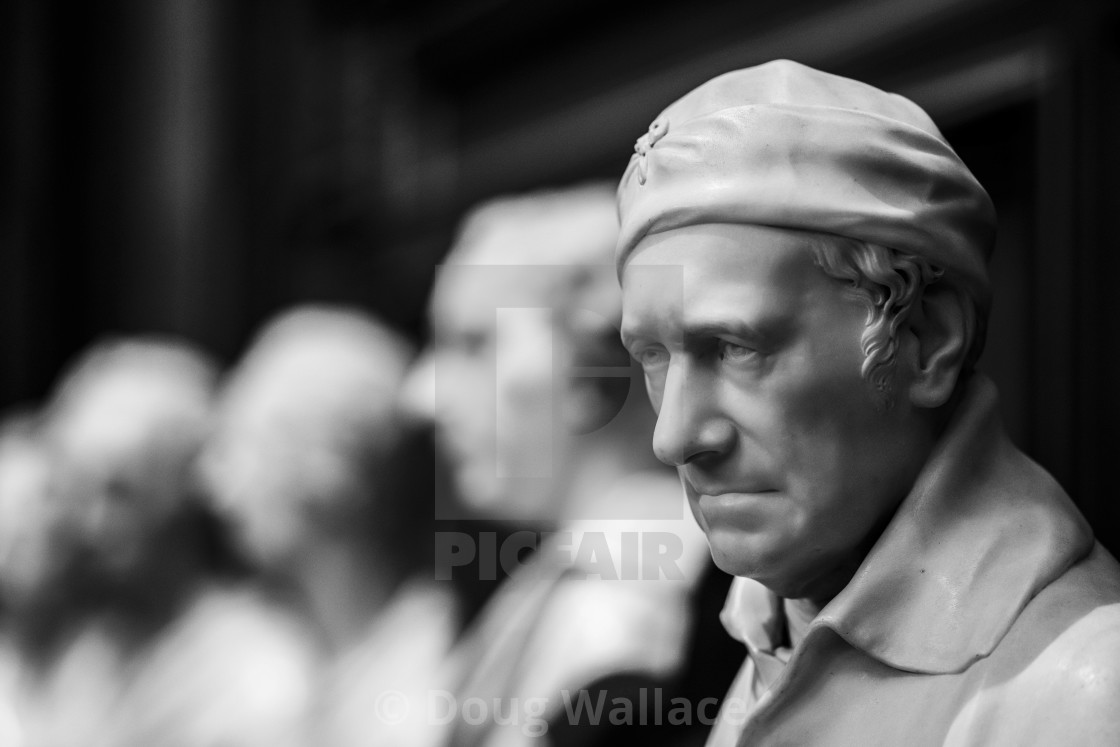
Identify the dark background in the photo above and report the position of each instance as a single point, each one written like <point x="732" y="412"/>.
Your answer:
<point x="192" y="166"/>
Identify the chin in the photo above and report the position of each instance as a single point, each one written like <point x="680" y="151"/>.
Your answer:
<point x="728" y="555"/>
<point x="737" y="554"/>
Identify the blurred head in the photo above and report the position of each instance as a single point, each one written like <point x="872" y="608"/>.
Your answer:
<point x="30" y="556"/>
<point x="526" y="294"/>
<point x="124" y="425"/>
<point x="305" y="425"/>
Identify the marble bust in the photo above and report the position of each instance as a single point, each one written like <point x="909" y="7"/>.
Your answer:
<point x="525" y="299"/>
<point x="803" y="261"/>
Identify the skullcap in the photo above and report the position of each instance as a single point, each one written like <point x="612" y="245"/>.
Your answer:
<point x="784" y="145"/>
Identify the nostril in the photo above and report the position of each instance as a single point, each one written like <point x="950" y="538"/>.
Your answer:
<point x="703" y="454"/>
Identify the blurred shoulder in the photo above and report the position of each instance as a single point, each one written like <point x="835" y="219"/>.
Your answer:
<point x="243" y="613"/>
<point x="238" y="637"/>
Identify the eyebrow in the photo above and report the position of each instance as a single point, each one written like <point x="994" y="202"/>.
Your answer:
<point x="767" y="330"/>
<point x="720" y="328"/>
<point x="761" y="334"/>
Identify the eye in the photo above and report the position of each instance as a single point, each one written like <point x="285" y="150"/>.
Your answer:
<point x="735" y="353"/>
<point x="652" y="358"/>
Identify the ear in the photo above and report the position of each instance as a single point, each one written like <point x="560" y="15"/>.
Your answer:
<point x="939" y="325"/>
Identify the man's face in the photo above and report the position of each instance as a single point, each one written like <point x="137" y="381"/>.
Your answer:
<point x="264" y="465"/>
<point x="493" y="359"/>
<point x="752" y="361"/>
<point x="119" y="473"/>
<point x="284" y="452"/>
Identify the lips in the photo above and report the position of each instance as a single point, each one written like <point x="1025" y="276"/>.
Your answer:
<point x="739" y="510"/>
<point x="699" y="485"/>
<point x="733" y="499"/>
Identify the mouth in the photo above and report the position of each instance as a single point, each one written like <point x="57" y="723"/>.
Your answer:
<point x="732" y="498"/>
<point x="738" y="502"/>
<point x="712" y="489"/>
<point x="716" y="501"/>
<point x="733" y="510"/>
<point x="718" y="492"/>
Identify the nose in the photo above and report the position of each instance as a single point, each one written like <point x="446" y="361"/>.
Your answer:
<point x="418" y="394"/>
<point x="689" y="422"/>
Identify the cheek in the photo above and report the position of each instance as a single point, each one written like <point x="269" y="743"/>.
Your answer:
<point x="655" y="388"/>
<point x="466" y="388"/>
<point x="527" y="391"/>
<point x="819" y="473"/>
<point x="820" y="401"/>
<point x="464" y="408"/>
<point x="524" y="364"/>
<point x="694" y="507"/>
<point x="525" y="395"/>
<point x="836" y="472"/>
<point x="810" y="426"/>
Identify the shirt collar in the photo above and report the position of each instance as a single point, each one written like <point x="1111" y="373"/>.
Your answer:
<point x="753" y="616"/>
<point x="982" y="531"/>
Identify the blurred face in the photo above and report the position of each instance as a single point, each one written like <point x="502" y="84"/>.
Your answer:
<point x="273" y="457"/>
<point x="493" y="360"/>
<point x="118" y="483"/>
<point x="28" y="543"/>
<point x="752" y="361"/>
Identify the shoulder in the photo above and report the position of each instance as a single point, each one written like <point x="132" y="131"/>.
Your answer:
<point x="1078" y="614"/>
<point x="238" y="640"/>
<point x="1083" y="661"/>
<point x="1065" y="656"/>
<point x="245" y="622"/>
<point x="233" y="656"/>
<point x="636" y="620"/>
<point x="1069" y="694"/>
<point x="592" y="629"/>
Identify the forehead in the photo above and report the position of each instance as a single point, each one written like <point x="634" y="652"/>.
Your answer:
<point x="466" y="297"/>
<point x="713" y="272"/>
<point x="24" y="469"/>
<point x="123" y="416"/>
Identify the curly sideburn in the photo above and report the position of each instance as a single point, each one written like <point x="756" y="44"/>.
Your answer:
<point x="889" y="283"/>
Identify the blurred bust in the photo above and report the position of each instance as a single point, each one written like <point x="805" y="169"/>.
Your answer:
<point x="310" y="463"/>
<point x="530" y="394"/>
<point x="29" y="560"/>
<point x="154" y="644"/>
<point x="124" y="426"/>
<point x="306" y="423"/>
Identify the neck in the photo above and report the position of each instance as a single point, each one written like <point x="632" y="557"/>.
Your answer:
<point x="825" y="586"/>
<point x="813" y="601"/>
<point x="40" y="626"/>
<point x="344" y="584"/>
<point x="142" y="601"/>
